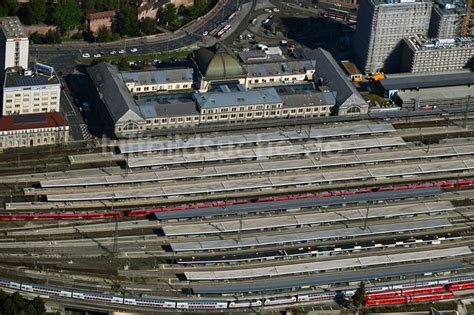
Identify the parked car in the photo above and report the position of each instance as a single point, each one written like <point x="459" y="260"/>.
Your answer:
<point x="86" y="55"/>
<point x="133" y="50"/>
<point x="121" y="51"/>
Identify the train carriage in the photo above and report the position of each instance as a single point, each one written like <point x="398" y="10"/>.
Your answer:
<point x="245" y="304"/>
<point x="201" y="305"/>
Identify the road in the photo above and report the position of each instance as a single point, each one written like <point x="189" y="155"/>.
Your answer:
<point x="65" y="55"/>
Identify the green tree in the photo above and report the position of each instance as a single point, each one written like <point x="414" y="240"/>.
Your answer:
<point x="104" y="34"/>
<point x="36" y="11"/>
<point x="127" y="23"/>
<point x="88" y="6"/>
<point x="38" y="305"/>
<point x="169" y="16"/>
<point x="123" y="64"/>
<point x="358" y="297"/>
<point x="96" y="61"/>
<point x="148" y="26"/>
<point x="13" y="304"/>
<point x="30" y="310"/>
<point x="8" y="7"/>
<point x="67" y="15"/>
<point x="52" y="37"/>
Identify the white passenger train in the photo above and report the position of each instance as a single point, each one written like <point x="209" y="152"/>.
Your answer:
<point x="155" y="302"/>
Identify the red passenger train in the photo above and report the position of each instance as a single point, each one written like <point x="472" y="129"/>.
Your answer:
<point x="410" y="298"/>
<point x="422" y="294"/>
<point x="94" y="215"/>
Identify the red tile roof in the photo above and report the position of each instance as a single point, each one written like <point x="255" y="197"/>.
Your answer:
<point x="101" y="15"/>
<point x="32" y="121"/>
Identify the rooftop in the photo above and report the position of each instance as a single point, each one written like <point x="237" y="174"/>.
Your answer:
<point x="162" y="76"/>
<point x="421" y="42"/>
<point x="257" y="55"/>
<point x="217" y="63"/>
<point x="14" y="78"/>
<point x="400" y="2"/>
<point x="308" y="98"/>
<point x="279" y="68"/>
<point x="32" y="121"/>
<point x="12" y="27"/>
<point x="332" y="75"/>
<point x="350" y="68"/>
<point x="438" y="93"/>
<point x="248" y="97"/>
<point x="448" y="7"/>
<point x="426" y="80"/>
<point x="101" y="15"/>
<point x="169" y="105"/>
<point x="115" y="95"/>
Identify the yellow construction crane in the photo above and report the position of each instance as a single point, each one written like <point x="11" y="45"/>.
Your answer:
<point x="467" y="18"/>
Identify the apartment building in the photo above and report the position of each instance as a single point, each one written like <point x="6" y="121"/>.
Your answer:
<point x="381" y="27"/>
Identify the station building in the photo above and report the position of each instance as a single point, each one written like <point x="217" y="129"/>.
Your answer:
<point x="128" y="114"/>
<point x="215" y="65"/>
<point x="276" y="73"/>
<point x="330" y="74"/>
<point x="154" y="81"/>
<point x="33" y="130"/>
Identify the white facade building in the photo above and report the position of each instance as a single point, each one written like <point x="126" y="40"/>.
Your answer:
<point x="164" y="80"/>
<point x="14" y="44"/>
<point x="35" y="93"/>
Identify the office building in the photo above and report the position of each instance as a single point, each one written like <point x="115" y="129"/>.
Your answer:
<point x="14" y="44"/>
<point x="421" y="54"/>
<point x="26" y="91"/>
<point x="381" y="28"/>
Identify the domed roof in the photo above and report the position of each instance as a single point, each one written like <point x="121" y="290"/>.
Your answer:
<point x="218" y="64"/>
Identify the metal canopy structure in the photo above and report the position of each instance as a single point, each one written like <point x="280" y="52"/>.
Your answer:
<point x="307" y="236"/>
<point x="203" y="142"/>
<point x="272" y="181"/>
<point x="350" y="158"/>
<point x="326" y="265"/>
<point x="305" y="219"/>
<point x="162" y="159"/>
<point x="281" y="205"/>
<point x="340" y="277"/>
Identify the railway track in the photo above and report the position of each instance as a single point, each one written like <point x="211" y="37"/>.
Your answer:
<point x="144" y="257"/>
